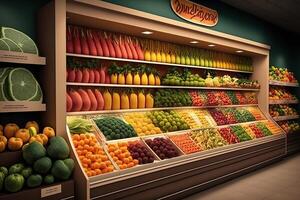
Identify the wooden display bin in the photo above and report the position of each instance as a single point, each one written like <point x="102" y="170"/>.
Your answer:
<point x="9" y="158"/>
<point x="62" y="190"/>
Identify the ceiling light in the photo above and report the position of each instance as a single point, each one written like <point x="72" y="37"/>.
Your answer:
<point x="239" y="51"/>
<point x="211" y="45"/>
<point x="147" y="32"/>
<point x="194" y="42"/>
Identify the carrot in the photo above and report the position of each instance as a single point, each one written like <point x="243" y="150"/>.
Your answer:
<point x="123" y="48"/>
<point x="84" y="44"/>
<point x="132" y="48"/>
<point x="128" y="50"/>
<point x="110" y="45"/>
<point x="91" y="43"/>
<point x="76" y="41"/>
<point x="139" y="50"/>
<point x="103" y="44"/>
<point x="97" y="43"/>
<point x="70" y="47"/>
<point x="116" y="45"/>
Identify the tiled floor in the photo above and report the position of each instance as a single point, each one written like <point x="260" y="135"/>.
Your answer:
<point x="280" y="181"/>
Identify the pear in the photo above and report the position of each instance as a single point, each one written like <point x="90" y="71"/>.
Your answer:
<point x="182" y="60"/>
<point x="147" y="55"/>
<point x="197" y="61"/>
<point x="168" y="58"/>
<point x="163" y="57"/>
<point x="193" y="61"/>
<point x="173" y="58"/>
<point x="187" y="60"/>
<point x="177" y="59"/>
<point x="158" y="56"/>
<point x="153" y="56"/>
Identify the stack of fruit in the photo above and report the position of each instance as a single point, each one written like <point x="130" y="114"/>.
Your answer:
<point x="228" y="135"/>
<point x="256" y="113"/>
<point x="19" y="84"/>
<point x="197" y="98"/>
<point x="92" y="100"/>
<point x="185" y="143"/>
<point x="114" y="128"/>
<point x="273" y="128"/>
<point x="258" y="133"/>
<point x="233" y="97"/>
<point x="162" y="147"/>
<point x="282" y="110"/>
<point x="218" y="116"/>
<point x="242" y="115"/>
<point x="279" y="93"/>
<point x="91" y="155"/>
<point x="241" y="98"/>
<point x="262" y="126"/>
<point x="168" y="121"/>
<point x="205" y="118"/>
<point x="140" y="152"/>
<point x="240" y="133"/>
<point x="42" y="165"/>
<point x="251" y="97"/>
<point x="13" y="138"/>
<point x="208" y="138"/>
<point x="281" y="74"/>
<point x="289" y="126"/>
<point x="141" y="124"/>
<point x="121" y="155"/>
<point x="172" y="98"/>
<point x="189" y="118"/>
<point x="229" y="114"/>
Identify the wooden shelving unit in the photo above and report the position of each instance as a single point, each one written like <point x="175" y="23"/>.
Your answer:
<point x="21" y="58"/>
<point x="156" y="63"/>
<point x="280" y="83"/>
<point x="158" y="180"/>
<point x="288" y="117"/>
<point x="272" y="102"/>
<point x="158" y="86"/>
<point x="21" y="106"/>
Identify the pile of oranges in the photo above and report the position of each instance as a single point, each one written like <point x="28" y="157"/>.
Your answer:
<point x="91" y="155"/>
<point x="121" y="155"/>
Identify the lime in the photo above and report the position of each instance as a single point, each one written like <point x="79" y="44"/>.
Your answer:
<point x="39" y="94"/>
<point x="3" y="45"/>
<point x="22" y="85"/>
<point x="12" y="45"/>
<point x="22" y="40"/>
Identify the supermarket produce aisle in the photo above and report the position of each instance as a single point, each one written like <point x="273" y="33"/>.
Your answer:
<point x="275" y="182"/>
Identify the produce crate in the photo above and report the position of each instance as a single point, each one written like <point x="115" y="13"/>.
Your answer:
<point x="171" y="135"/>
<point x="62" y="190"/>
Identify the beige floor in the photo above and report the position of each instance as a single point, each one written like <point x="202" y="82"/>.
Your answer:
<point x="280" y="181"/>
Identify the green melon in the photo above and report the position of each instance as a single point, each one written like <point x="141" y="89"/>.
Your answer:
<point x="12" y="45"/>
<point x="22" y="85"/>
<point x="22" y="40"/>
<point x="3" y="45"/>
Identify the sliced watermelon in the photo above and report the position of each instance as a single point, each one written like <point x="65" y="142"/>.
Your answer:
<point x="22" y="85"/>
<point x="25" y="43"/>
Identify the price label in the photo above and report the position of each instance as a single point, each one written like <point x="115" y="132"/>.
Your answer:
<point x="48" y="191"/>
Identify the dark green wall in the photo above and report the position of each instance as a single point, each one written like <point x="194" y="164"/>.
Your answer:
<point x="22" y="14"/>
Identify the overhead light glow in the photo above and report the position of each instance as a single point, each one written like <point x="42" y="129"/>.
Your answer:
<point x="194" y="42"/>
<point x="211" y="45"/>
<point x="239" y="51"/>
<point x="147" y="32"/>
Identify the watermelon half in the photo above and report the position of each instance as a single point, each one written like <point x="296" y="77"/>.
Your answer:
<point x="24" y="42"/>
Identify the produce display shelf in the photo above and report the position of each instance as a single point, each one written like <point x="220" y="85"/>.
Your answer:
<point x="21" y="106"/>
<point x="281" y="83"/>
<point x="21" y="58"/>
<point x="153" y="109"/>
<point x="156" y="63"/>
<point x="283" y="101"/>
<point x="288" y="117"/>
<point x="158" y="86"/>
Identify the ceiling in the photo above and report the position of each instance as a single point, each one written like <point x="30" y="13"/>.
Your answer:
<point x="283" y="13"/>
